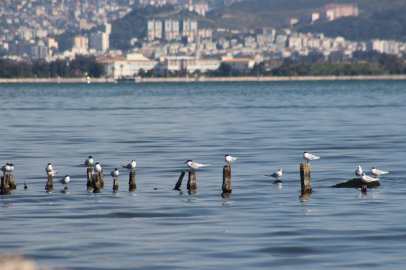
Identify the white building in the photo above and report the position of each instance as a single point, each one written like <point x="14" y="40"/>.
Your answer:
<point x="201" y="8"/>
<point x="189" y="30"/>
<point x="383" y="46"/>
<point x="154" y="29"/>
<point x="171" y="29"/>
<point x="190" y="64"/>
<point x="289" y="22"/>
<point x="311" y="17"/>
<point x="81" y="42"/>
<point x="240" y="64"/>
<point x="128" y="66"/>
<point x="99" y="41"/>
<point x="327" y="15"/>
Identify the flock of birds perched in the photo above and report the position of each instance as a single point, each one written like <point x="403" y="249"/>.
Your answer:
<point x="9" y="168"/>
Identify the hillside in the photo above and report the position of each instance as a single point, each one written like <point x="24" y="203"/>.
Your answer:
<point x="377" y="19"/>
<point x="134" y="24"/>
<point x="386" y="24"/>
<point x="272" y="13"/>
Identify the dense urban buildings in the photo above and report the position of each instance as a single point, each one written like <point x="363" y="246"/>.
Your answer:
<point x="172" y="45"/>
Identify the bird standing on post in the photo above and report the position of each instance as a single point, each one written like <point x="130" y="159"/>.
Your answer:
<point x="115" y="173"/>
<point x="309" y="157"/>
<point x="194" y="165"/>
<point x="6" y="168"/>
<point x="377" y="172"/>
<point x="358" y="172"/>
<point x="230" y="159"/>
<point x="130" y="166"/>
<point x="50" y="170"/>
<point x="97" y="167"/>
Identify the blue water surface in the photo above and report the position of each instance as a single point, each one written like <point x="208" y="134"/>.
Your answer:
<point x="267" y="125"/>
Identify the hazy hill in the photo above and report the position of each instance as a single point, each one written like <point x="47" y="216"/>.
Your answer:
<point x="382" y="24"/>
<point x="377" y="19"/>
<point x="134" y="24"/>
<point x="272" y="13"/>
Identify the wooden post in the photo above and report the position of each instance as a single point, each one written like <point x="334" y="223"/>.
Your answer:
<point x="191" y="183"/>
<point x="131" y="181"/>
<point x="179" y="183"/>
<point x="25" y="185"/>
<point x="115" y="184"/>
<point x="89" y="178"/>
<point x="5" y="186"/>
<point x="305" y="178"/>
<point x="227" y="179"/>
<point x="12" y="184"/>
<point x="96" y="183"/>
<point x="364" y="189"/>
<point x="50" y="183"/>
<point x="101" y="179"/>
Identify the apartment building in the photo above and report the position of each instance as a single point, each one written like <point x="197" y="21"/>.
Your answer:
<point x="342" y="10"/>
<point x="171" y="29"/>
<point x="154" y="29"/>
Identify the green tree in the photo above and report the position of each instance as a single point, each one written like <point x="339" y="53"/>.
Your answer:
<point x="225" y="70"/>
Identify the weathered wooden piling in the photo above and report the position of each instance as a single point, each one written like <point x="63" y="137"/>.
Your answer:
<point x="25" y="185"/>
<point x="89" y="178"/>
<point x="50" y="183"/>
<point x="5" y="185"/>
<point x="131" y="181"/>
<point x="11" y="182"/>
<point x="191" y="183"/>
<point x="101" y="179"/>
<point x="305" y="182"/>
<point x="96" y="183"/>
<point x="225" y="195"/>
<point x="227" y="179"/>
<point x="115" y="184"/>
<point x="179" y="183"/>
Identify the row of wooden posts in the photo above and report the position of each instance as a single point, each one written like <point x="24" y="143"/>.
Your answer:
<point x="96" y="181"/>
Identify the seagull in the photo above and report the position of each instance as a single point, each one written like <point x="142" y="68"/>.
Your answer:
<point x="97" y="167"/>
<point x="65" y="180"/>
<point x="49" y="169"/>
<point x="6" y="168"/>
<point x="276" y="174"/>
<point x="309" y="157"/>
<point x="89" y="162"/>
<point x="377" y="172"/>
<point x="194" y="165"/>
<point x="358" y="172"/>
<point x="130" y="166"/>
<point x="115" y="173"/>
<point x="367" y="179"/>
<point x="230" y="159"/>
<point x="11" y="167"/>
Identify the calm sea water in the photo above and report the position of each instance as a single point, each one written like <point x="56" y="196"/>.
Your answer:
<point x="267" y="125"/>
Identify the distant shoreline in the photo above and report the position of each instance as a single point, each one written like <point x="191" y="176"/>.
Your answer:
<point x="208" y="79"/>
